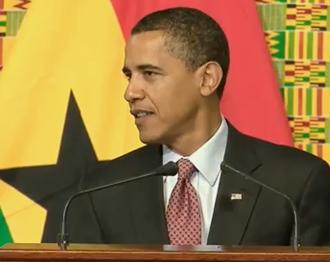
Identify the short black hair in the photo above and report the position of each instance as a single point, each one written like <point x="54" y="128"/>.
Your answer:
<point x="190" y="35"/>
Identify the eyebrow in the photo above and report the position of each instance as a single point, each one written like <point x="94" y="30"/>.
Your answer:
<point x="142" y="67"/>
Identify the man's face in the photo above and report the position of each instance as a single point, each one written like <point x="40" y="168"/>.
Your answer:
<point x="162" y="93"/>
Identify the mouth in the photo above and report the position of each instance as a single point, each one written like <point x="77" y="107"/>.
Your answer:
<point x="140" y="114"/>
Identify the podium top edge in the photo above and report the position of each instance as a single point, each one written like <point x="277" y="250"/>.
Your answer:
<point x="162" y="248"/>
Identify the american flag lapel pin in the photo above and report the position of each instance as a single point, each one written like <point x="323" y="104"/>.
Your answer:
<point x="236" y="196"/>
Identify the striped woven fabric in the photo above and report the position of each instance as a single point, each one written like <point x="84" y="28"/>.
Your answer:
<point x="298" y="37"/>
<point x="303" y="73"/>
<point x="299" y="44"/>
<point x="307" y="101"/>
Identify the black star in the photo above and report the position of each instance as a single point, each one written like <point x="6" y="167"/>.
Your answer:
<point x="51" y="185"/>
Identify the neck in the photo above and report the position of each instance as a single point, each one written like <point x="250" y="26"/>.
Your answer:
<point x="189" y="143"/>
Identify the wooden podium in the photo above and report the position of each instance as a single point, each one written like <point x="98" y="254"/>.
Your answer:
<point x="76" y="252"/>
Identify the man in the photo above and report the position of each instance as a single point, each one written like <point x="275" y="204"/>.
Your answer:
<point x="176" y="63"/>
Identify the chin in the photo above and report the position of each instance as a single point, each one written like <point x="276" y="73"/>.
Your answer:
<point x="150" y="139"/>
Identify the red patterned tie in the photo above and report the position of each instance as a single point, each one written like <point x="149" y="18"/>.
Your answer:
<point x="183" y="213"/>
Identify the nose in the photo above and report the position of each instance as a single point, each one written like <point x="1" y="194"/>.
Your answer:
<point x="134" y="90"/>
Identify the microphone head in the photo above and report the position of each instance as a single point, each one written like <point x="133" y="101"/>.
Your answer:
<point x="169" y="169"/>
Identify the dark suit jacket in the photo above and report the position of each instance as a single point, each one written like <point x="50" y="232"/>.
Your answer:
<point x="134" y="213"/>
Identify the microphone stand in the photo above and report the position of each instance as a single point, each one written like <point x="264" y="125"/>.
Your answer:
<point x="296" y="243"/>
<point x="169" y="169"/>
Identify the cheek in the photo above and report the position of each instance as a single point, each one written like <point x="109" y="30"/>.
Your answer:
<point x="178" y="107"/>
<point x="172" y="97"/>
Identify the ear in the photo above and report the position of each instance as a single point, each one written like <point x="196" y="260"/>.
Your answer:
<point x="211" y="75"/>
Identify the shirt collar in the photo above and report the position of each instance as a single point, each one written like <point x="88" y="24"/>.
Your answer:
<point x="208" y="157"/>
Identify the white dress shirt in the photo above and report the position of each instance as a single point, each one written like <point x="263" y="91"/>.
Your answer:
<point x="205" y="180"/>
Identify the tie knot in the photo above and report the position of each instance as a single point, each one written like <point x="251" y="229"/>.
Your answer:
<point x="186" y="168"/>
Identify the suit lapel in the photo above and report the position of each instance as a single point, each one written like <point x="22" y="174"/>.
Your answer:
<point x="147" y="203"/>
<point x="231" y="215"/>
<point x="236" y="195"/>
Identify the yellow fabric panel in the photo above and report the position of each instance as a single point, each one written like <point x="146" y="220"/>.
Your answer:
<point x="14" y="4"/>
<point x="326" y="46"/>
<point x="8" y="44"/>
<point x="76" y="47"/>
<point x="24" y="217"/>
<point x="326" y="152"/>
<point x="326" y="102"/>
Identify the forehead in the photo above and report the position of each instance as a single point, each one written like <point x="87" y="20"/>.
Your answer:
<point x="146" y="41"/>
<point x="147" y="48"/>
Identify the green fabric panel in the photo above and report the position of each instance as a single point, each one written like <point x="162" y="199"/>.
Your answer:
<point x="279" y="69"/>
<point x="5" y="236"/>
<point x="14" y="19"/>
<point x="309" y="101"/>
<point x="327" y="130"/>
<point x="310" y="45"/>
<point x="290" y="101"/>
<point x="272" y="16"/>
<point x="327" y="74"/>
<point x="280" y="46"/>
<point x="291" y="43"/>
<point x="309" y="148"/>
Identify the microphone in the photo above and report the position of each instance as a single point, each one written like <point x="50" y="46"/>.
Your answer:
<point x="169" y="169"/>
<point x="296" y="244"/>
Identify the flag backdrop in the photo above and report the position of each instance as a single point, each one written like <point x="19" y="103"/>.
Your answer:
<point x="61" y="90"/>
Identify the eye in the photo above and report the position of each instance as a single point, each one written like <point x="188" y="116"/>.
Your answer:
<point x="149" y="73"/>
<point x="128" y="76"/>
